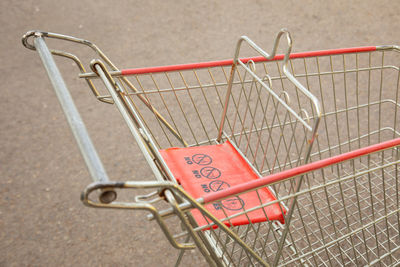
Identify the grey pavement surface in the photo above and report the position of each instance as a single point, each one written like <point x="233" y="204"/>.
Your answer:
<point x="42" y="221"/>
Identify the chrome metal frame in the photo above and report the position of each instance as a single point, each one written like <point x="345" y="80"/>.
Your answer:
<point x="178" y="202"/>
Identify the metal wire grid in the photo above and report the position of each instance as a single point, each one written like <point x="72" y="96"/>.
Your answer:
<point x="351" y="97"/>
<point x="353" y="221"/>
<point x="359" y="101"/>
<point x="350" y="87"/>
<point x="192" y="102"/>
<point x="346" y="214"/>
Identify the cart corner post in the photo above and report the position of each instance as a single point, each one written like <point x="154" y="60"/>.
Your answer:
<point x="86" y="147"/>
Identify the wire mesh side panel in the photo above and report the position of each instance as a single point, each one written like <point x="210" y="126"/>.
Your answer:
<point x="259" y="123"/>
<point x="347" y="214"/>
<point x="191" y="102"/>
<point x="359" y="96"/>
<point x="358" y="93"/>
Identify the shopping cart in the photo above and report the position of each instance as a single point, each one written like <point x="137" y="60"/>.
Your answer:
<point x="271" y="160"/>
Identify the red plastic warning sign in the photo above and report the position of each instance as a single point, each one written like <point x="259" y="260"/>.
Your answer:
<point x="206" y="169"/>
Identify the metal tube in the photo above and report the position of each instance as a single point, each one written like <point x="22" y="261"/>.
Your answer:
<point x="138" y="133"/>
<point x="88" y="151"/>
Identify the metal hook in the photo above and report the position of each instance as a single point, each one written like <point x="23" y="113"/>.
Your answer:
<point x="251" y="65"/>
<point x="306" y="114"/>
<point x="268" y="78"/>
<point x="286" y="98"/>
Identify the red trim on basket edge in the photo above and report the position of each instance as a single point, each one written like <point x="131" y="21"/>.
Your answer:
<point x="228" y="62"/>
<point x="264" y="181"/>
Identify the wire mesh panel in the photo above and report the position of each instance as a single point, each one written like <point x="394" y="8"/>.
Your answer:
<point x="359" y="95"/>
<point x="190" y="100"/>
<point x="268" y="120"/>
<point x="346" y="214"/>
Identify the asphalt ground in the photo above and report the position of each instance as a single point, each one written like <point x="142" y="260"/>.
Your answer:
<point x="42" y="221"/>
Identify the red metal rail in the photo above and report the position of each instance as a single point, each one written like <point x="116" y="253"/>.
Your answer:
<point x="228" y="62"/>
<point x="273" y="178"/>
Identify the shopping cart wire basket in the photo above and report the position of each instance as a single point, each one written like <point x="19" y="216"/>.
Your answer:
<point x="279" y="160"/>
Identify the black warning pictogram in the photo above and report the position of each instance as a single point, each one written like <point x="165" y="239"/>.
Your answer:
<point x="201" y="159"/>
<point x="234" y="203"/>
<point x="218" y="185"/>
<point x="210" y="172"/>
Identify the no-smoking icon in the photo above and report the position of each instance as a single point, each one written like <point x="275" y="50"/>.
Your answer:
<point x="234" y="203"/>
<point x="218" y="185"/>
<point x="201" y="159"/>
<point x="210" y="172"/>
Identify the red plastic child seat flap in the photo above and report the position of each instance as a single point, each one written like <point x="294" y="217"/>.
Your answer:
<point x="205" y="169"/>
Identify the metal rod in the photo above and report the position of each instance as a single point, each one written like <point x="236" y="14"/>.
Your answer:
<point x="138" y="133"/>
<point x="86" y="147"/>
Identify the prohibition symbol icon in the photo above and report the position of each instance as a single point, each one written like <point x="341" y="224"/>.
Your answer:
<point x="201" y="159"/>
<point x="218" y="185"/>
<point x="234" y="203"/>
<point x="210" y="172"/>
